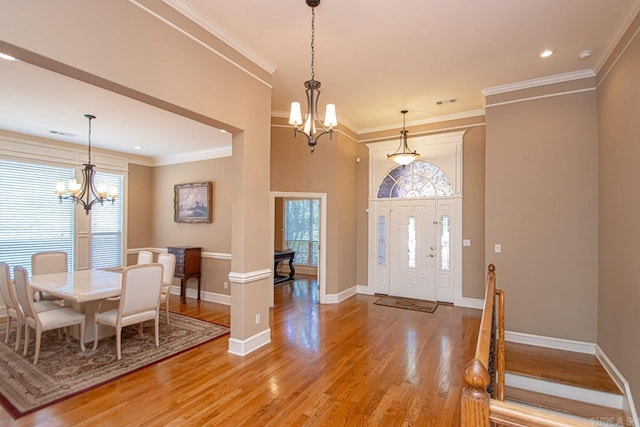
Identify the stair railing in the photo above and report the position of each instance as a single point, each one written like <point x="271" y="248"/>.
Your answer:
<point x="477" y="406"/>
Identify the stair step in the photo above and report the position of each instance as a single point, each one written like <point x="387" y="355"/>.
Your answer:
<point x="601" y="414"/>
<point x="565" y="367"/>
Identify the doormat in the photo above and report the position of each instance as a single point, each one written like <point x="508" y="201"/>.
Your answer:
<point x="408" y="303"/>
<point x="63" y="370"/>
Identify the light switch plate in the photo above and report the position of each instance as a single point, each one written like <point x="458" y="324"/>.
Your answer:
<point x="466" y="242"/>
<point x="497" y="248"/>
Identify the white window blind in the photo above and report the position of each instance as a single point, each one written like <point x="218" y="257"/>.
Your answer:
<point x="302" y="225"/>
<point x="107" y="224"/>
<point x="31" y="217"/>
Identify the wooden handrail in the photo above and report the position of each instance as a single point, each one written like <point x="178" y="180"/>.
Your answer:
<point x="477" y="408"/>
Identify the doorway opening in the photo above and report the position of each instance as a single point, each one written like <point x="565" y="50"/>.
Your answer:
<point x="298" y="233"/>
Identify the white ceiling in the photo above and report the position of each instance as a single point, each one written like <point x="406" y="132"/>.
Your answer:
<point x="374" y="58"/>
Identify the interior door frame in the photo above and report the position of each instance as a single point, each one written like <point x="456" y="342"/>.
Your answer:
<point x="322" y="250"/>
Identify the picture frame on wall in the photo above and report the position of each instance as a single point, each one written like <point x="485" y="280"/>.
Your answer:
<point x="192" y="202"/>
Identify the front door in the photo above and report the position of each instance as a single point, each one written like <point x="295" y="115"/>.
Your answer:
<point x="412" y="249"/>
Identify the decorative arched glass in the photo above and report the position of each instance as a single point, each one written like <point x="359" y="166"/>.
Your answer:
<point x="418" y="179"/>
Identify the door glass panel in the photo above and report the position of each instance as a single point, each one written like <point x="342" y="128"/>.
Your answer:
<point x="382" y="240"/>
<point x="411" y="242"/>
<point x="445" y="249"/>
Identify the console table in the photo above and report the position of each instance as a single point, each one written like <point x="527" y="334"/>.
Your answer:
<point x="278" y="257"/>
<point x="187" y="266"/>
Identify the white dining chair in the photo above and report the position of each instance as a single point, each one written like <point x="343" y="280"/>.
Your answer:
<point x="169" y="263"/>
<point x="60" y="317"/>
<point x="48" y="263"/>
<point x="139" y="301"/>
<point x="145" y="257"/>
<point x="13" y="308"/>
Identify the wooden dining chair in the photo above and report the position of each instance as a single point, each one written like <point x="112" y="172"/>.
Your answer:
<point x="60" y="317"/>
<point x="48" y="263"/>
<point x="139" y="301"/>
<point x="145" y="257"/>
<point x="169" y="263"/>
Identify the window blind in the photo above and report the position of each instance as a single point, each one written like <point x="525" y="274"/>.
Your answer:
<point x="106" y="225"/>
<point x="31" y="217"/>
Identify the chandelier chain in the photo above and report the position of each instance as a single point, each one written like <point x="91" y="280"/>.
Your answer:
<point x="89" y="140"/>
<point x="313" y="33"/>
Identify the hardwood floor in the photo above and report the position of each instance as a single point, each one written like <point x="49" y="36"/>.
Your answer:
<point x="352" y="363"/>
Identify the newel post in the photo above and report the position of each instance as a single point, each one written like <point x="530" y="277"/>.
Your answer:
<point x="475" y="398"/>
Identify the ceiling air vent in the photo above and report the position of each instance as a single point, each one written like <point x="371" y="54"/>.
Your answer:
<point x="60" y="133"/>
<point x="446" y="101"/>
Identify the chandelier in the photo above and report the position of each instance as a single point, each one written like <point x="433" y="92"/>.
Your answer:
<point x="87" y="194"/>
<point x="403" y="156"/>
<point x="312" y="127"/>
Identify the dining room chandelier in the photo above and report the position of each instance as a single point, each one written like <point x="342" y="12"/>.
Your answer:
<point x="403" y="155"/>
<point x="312" y="127"/>
<point x="87" y="194"/>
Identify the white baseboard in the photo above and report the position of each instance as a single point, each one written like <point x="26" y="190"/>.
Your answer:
<point x="336" y="298"/>
<point x="537" y="385"/>
<point x="471" y="303"/>
<point x="365" y="290"/>
<point x="551" y="342"/>
<point x="205" y="295"/>
<point x="629" y="407"/>
<point x="244" y="347"/>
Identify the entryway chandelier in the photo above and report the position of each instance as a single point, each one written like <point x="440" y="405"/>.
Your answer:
<point x="87" y="194"/>
<point x="403" y="156"/>
<point x="313" y="128"/>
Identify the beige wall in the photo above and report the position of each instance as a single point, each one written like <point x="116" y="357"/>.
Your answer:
<point x="619" y="237"/>
<point x="140" y="198"/>
<point x="542" y="207"/>
<point x="330" y="169"/>
<point x="474" y="268"/>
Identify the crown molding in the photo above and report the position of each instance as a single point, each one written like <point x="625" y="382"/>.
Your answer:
<point x="208" y="24"/>
<point x="542" y="81"/>
<point x="193" y="157"/>
<point x="430" y="120"/>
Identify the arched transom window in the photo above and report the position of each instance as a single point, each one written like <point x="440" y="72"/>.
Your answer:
<point x="418" y="179"/>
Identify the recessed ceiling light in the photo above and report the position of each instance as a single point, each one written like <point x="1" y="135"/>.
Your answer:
<point x="138" y="147"/>
<point x="585" y="54"/>
<point x="7" y="57"/>
<point x="546" y="53"/>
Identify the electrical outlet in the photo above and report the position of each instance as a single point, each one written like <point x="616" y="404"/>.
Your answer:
<point x="226" y="285"/>
<point x="258" y="319"/>
<point x="497" y="248"/>
<point x="466" y="242"/>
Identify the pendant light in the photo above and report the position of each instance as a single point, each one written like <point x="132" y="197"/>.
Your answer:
<point x="403" y="155"/>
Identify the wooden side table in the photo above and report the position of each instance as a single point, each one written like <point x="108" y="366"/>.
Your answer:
<point x="187" y="266"/>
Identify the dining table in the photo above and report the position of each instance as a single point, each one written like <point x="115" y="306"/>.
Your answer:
<point x="84" y="291"/>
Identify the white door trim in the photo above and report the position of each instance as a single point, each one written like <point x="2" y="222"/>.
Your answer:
<point x="322" y="252"/>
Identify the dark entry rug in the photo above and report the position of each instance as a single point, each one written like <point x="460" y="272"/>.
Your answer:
<point x="408" y="303"/>
<point x="63" y="370"/>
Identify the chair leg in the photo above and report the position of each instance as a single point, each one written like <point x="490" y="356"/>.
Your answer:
<point x="95" y="335"/>
<point x="118" y="333"/>
<point x="157" y="327"/>
<point x="26" y="339"/>
<point x="140" y="332"/>
<point x="166" y="307"/>
<point x="38" y="338"/>
<point x="6" y="335"/>
<point x="81" y="337"/>
<point x="18" y="333"/>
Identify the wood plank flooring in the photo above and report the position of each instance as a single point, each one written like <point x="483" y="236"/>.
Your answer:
<point x="352" y="364"/>
<point x="577" y="369"/>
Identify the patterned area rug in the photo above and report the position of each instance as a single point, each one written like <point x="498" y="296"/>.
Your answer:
<point x="63" y="370"/>
<point x="408" y="303"/>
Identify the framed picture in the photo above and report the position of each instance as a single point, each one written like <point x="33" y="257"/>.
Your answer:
<point x="192" y="202"/>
